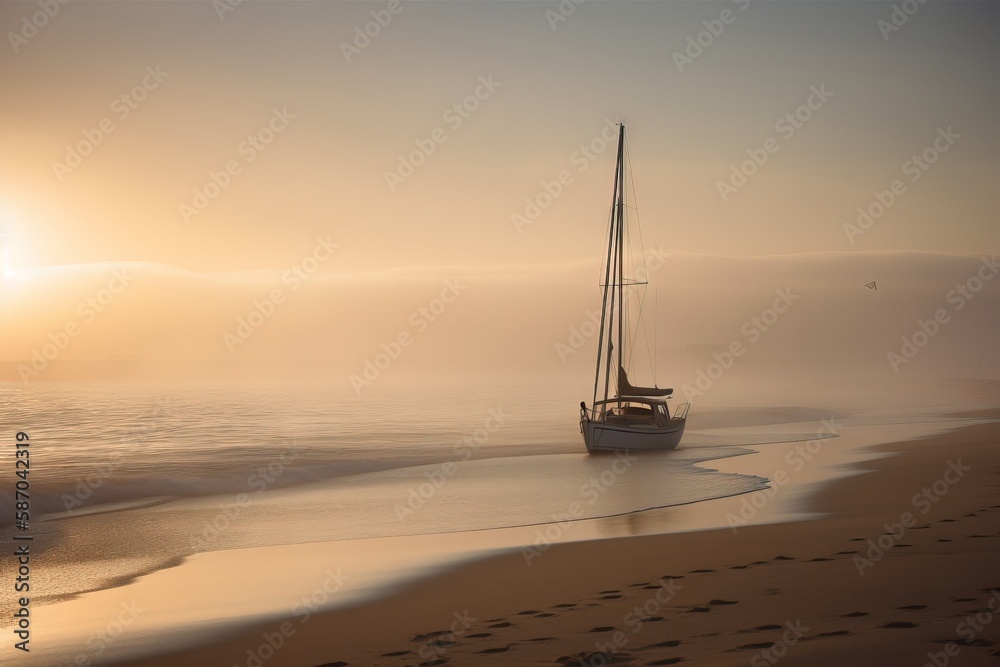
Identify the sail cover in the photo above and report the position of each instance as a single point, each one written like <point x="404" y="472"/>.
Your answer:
<point x="625" y="387"/>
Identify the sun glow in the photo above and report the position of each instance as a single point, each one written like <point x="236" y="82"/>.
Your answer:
<point x="6" y="268"/>
<point x="10" y="253"/>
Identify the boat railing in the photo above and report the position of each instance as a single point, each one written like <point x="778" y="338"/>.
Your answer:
<point x="681" y="411"/>
<point x="588" y="414"/>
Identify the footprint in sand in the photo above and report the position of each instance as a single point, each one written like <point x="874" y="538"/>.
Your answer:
<point x="611" y="591"/>
<point x="899" y="624"/>
<point x="652" y="619"/>
<point x="700" y="571"/>
<point x="593" y="658"/>
<point x="718" y="601"/>
<point x="816" y="560"/>
<point x="495" y="649"/>
<point x="651" y="587"/>
<point x="443" y="643"/>
<point x="856" y="614"/>
<point x="947" y="521"/>
<point x="759" y="562"/>
<point x="904" y="545"/>
<point x="393" y="654"/>
<point x="665" y="661"/>
<point x="429" y="635"/>
<point x="910" y="607"/>
<point x="970" y="514"/>
<point x="782" y="558"/>
<point x="672" y="576"/>
<point x="610" y="597"/>
<point x="541" y="639"/>
<point x="963" y="599"/>
<point x="834" y="633"/>
<point x="942" y="540"/>
<point x="640" y="584"/>
<point x="505" y="624"/>
<point x="739" y="567"/>
<point x="546" y="615"/>
<point x="671" y="644"/>
<point x="431" y="663"/>
<point x="480" y="635"/>
<point x="564" y="605"/>
<point x="770" y="626"/>
<point x="856" y="539"/>
<point x="602" y="628"/>
<point x="529" y="611"/>
<point x="758" y="645"/>
<point x="845" y="553"/>
<point x="698" y="610"/>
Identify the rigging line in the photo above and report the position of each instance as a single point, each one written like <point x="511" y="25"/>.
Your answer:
<point x="632" y="264"/>
<point x="604" y="245"/>
<point x="629" y="259"/>
<point x="635" y="332"/>
<point x="642" y="262"/>
<point x="642" y="246"/>
<point x="645" y="335"/>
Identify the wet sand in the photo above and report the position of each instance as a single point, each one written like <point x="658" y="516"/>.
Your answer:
<point x="851" y="585"/>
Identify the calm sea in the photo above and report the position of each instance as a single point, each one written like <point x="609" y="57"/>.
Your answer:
<point x="128" y="479"/>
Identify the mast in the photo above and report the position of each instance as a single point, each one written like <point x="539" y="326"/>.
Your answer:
<point x="621" y="253"/>
<point x="611" y="278"/>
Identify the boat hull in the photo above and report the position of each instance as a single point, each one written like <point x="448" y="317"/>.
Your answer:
<point x="603" y="437"/>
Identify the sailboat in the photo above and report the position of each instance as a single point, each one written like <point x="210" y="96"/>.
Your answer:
<point x="623" y="416"/>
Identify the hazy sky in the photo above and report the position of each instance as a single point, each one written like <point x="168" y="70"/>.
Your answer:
<point x="325" y="172"/>
<point x="330" y="126"/>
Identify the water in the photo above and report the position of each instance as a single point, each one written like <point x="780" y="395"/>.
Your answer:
<point x="95" y="444"/>
<point x="130" y="479"/>
<point x="142" y="493"/>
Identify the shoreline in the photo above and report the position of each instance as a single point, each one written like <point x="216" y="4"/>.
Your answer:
<point x="86" y="538"/>
<point x="512" y="602"/>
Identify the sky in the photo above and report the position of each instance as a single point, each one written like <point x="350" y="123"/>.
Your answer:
<point x="219" y="144"/>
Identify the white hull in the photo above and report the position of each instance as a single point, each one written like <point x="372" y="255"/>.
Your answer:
<point x="603" y="437"/>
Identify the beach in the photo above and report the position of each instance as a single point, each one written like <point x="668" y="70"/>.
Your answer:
<point x="897" y="563"/>
<point x="402" y="334"/>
